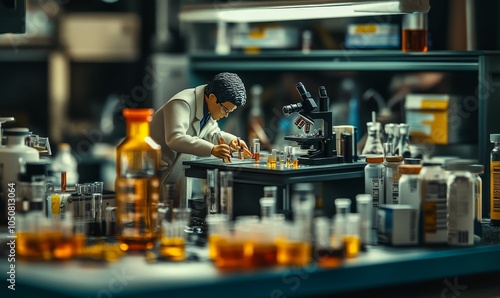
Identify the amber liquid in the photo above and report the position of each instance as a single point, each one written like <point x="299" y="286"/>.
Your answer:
<point x="212" y="246"/>
<point x="296" y="163"/>
<point x="230" y="254"/>
<point x="414" y="40"/>
<point x="31" y="246"/>
<point x="329" y="257"/>
<point x="39" y="246"/>
<point x="352" y="246"/>
<point x="256" y="156"/>
<point x="293" y="253"/>
<point x="173" y="249"/>
<point x="262" y="254"/>
<point x="79" y="242"/>
<point x="136" y="199"/>
<point x="64" y="247"/>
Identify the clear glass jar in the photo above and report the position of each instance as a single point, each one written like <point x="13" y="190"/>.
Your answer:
<point x="137" y="183"/>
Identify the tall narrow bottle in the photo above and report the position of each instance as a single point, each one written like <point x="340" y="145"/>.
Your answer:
<point x="137" y="183"/>
<point x="495" y="180"/>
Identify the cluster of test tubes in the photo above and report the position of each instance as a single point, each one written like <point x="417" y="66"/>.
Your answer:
<point x="282" y="159"/>
<point x="250" y="242"/>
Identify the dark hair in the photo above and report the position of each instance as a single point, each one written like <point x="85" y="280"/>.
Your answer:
<point x="227" y="87"/>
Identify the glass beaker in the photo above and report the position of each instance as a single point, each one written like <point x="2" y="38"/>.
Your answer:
<point x="414" y="32"/>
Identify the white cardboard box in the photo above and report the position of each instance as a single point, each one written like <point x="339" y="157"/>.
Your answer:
<point x="398" y="225"/>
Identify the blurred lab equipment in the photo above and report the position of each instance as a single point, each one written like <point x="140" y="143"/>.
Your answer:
<point x="12" y="158"/>
<point x="65" y="161"/>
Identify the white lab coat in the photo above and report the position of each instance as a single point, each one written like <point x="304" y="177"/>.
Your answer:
<point x="176" y="128"/>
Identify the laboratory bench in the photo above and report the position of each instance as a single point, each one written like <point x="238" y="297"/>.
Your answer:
<point x="388" y="271"/>
<point x="249" y="178"/>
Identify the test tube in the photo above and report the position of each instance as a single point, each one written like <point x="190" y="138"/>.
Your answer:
<point x="326" y="255"/>
<point x="226" y="193"/>
<point x="342" y="206"/>
<point x="364" y="205"/>
<point x="282" y="158"/>
<point x="97" y="190"/>
<point x="352" y="244"/>
<point x="212" y="195"/>
<point x="256" y="150"/>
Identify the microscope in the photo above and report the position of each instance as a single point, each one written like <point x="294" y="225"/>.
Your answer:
<point x="320" y="145"/>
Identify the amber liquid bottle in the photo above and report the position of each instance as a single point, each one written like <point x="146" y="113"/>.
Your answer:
<point x="137" y="183"/>
<point x="414" y="33"/>
<point x="495" y="181"/>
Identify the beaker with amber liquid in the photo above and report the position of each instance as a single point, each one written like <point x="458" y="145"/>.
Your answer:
<point x="414" y="33"/>
<point x="137" y="183"/>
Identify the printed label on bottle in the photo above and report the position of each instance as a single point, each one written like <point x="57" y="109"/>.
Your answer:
<point x="435" y="210"/>
<point x="495" y="190"/>
<point x="461" y="212"/>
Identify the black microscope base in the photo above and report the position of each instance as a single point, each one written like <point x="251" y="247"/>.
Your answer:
<point x="319" y="160"/>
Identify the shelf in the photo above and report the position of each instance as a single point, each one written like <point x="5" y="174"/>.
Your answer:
<point x="340" y="60"/>
<point x="23" y="55"/>
<point x="379" y="267"/>
<point x="272" y="11"/>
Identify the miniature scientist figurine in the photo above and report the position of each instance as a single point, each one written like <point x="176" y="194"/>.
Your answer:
<point x="185" y="126"/>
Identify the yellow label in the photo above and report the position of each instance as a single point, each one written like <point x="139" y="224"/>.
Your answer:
<point x="56" y="204"/>
<point x="434" y="104"/>
<point x="366" y="29"/>
<point x="495" y="190"/>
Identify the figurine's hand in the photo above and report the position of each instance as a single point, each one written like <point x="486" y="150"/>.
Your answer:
<point x="237" y="144"/>
<point x="222" y="151"/>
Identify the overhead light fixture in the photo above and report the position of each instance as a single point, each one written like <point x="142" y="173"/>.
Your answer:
<point x="271" y="11"/>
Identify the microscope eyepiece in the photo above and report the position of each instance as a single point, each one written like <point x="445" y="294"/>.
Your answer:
<point x="322" y="91"/>
<point x="302" y="91"/>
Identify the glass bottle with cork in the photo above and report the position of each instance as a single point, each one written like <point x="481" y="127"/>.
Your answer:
<point x="137" y="183"/>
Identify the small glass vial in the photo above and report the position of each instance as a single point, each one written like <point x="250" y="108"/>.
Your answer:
<point x="226" y="193"/>
<point x="392" y="179"/>
<point x="374" y="183"/>
<point x="495" y="180"/>
<point x="256" y="150"/>
<point x="460" y="195"/>
<point x="433" y="187"/>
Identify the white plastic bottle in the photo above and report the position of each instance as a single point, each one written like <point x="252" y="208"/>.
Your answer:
<point x="11" y="155"/>
<point x="65" y="161"/>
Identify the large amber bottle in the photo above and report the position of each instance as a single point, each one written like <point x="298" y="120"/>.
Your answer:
<point x="137" y="183"/>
